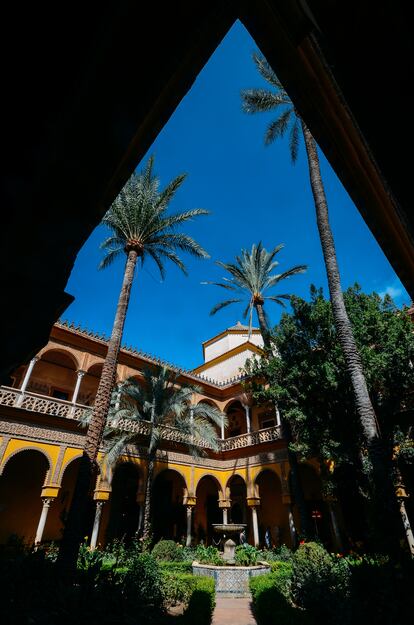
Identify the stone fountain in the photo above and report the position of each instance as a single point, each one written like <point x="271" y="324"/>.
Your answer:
<point x="228" y="530"/>
<point x="229" y="578"/>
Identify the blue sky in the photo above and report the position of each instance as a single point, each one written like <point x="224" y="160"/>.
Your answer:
<point x="254" y="194"/>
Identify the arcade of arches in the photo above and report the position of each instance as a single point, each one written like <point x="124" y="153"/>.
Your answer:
<point x="246" y="481"/>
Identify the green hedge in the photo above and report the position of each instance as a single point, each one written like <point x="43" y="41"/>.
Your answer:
<point x="271" y="603"/>
<point x="177" y="567"/>
<point x="202" y="601"/>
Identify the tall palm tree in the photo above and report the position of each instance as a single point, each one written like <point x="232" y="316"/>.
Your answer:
<point x="252" y="275"/>
<point x="289" y="121"/>
<point x="160" y="403"/>
<point x="141" y="229"/>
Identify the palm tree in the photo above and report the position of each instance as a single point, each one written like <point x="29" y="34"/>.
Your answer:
<point x="141" y="229"/>
<point x="252" y="275"/>
<point x="160" y="403"/>
<point x="289" y="121"/>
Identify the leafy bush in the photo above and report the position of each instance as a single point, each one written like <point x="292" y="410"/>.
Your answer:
<point x="209" y="555"/>
<point x="177" y="587"/>
<point x="271" y="604"/>
<point x="282" y="569"/>
<point x="381" y="592"/>
<point x="167" y="550"/>
<point x="143" y="588"/>
<point x="282" y="554"/>
<point x="320" y="583"/>
<point x="202" y="601"/>
<point x="247" y="555"/>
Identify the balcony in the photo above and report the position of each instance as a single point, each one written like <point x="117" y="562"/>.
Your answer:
<point x="61" y="408"/>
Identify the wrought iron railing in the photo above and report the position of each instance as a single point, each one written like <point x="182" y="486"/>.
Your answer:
<point x="68" y="410"/>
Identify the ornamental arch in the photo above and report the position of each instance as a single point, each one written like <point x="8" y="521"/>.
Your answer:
<point x="21" y="483"/>
<point x="272" y="513"/>
<point x="54" y="374"/>
<point x="122" y="515"/>
<point x="207" y="511"/>
<point x="168" y="512"/>
<point x="236" y="416"/>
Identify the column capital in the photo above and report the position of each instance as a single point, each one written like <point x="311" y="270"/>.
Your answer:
<point x="47" y="501"/>
<point x="80" y="373"/>
<point x="224" y="503"/>
<point x="102" y="494"/>
<point x="50" y="492"/>
<point x="189" y="501"/>
<point x="253" y="502"/>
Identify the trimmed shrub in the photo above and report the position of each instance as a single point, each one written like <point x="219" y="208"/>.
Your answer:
<point x="178" y="567"/>
<point x="143" y="589"/>
<point x="167" y="550"/>
<point x="271" y="602"/>
<point x="247" y="555"/>
<point x="177" y="587"/>
<point x="282" y="554"/>
<point x="202" y="601"/>
<point x="320" y="583"/>
<point x="282" y="569"/>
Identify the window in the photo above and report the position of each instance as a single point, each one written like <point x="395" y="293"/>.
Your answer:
<point x="267" y="423"/>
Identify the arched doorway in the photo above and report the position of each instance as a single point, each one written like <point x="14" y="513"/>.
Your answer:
<point x="168" y="512"/>
<point x="236" y="416"/>
<point x="238" y="493"/>
<point x="54" y="374"/>
<point x="272" y="514"/>
<point x="89" y="385"/>
<point x="124" y="509"/>
<point x="20" y="495"/>
<point x="318" y="514"/>
<point x="59" y="509"/>
<point x="207" y="510"/>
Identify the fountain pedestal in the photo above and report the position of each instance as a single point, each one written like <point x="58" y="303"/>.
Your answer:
<point x="229" y="551"/>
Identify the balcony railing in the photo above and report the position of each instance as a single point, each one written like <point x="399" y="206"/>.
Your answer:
<point x="61" y="408"/>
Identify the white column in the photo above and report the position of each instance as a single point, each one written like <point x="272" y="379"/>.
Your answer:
<point x="80" y="375"/>
<point x="407" y="527"/>
<point x="247" y="411"/>
<point x="222" y="428"/>
<point x="292" y="528"/>
<point x="96" y="524"/>
<point x="42" y="521"/>
<point x="335" y="527"/>
<point x="140" y="516"/>
<point x="26" y="379"/>
<point x="189" y="521"/>
<point x="225" y="520"/>
<point x="255" y="526"/>
<point x="278" y="421"/>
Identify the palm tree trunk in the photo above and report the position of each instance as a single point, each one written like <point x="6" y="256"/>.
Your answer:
<point x="382" y="483"/>
<point x="264" y="330"/>
<point x="297" y="490"/>
<point x="146" y="533"/>
<point x="75" y="526"/>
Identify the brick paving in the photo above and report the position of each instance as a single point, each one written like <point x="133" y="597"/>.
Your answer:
<point x="233" y="611"/>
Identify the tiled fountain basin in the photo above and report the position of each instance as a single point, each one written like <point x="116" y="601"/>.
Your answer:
<point x="231" y="580"/>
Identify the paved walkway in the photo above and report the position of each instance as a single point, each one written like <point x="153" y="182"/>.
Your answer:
<point x="233" y="611"/>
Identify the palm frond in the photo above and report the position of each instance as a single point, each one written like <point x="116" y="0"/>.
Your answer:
<point x="278" y="127"/>
<point x="221" y="305"/>
<point x="266" y="71"/>
<point x="109" y="258"/>
<point x="261" y="100"/>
